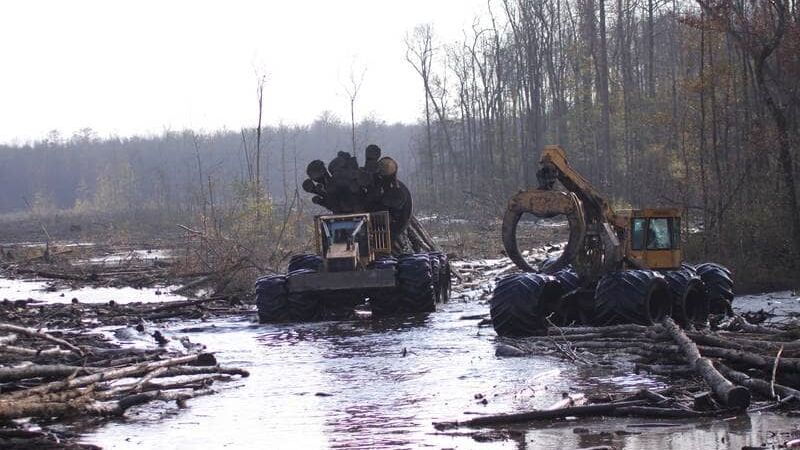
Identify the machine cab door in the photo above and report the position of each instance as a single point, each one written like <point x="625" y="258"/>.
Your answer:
<point x="655" y="241"/>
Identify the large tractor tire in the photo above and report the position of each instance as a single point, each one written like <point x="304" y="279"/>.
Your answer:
<point x="446" y="277"/>
<point x="690" y="304"/>
<point x="719" y="287"/>
<point x="305" y="261"/>
<point x="547" y="263"/>
<point x="414" y="292"/>
<point x="271" y="299"/>
<point x="276" y="305"/>
<point x="436" y="275"/>
<point x="632" y="296"/>
<point x="571" y="307"/>
<point x="415" y="282"/>
<point x="519" y="303"/>
<point x="568" y="280"/>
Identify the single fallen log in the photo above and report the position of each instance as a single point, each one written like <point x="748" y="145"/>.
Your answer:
<point x="742" y="324"/>
<point x="606" y="331"/>
<point x="656" y="412"/>
<point x="753" y="359"/>
<point x="763" y="387"/>
<point x="54" y="351"/>
<point x="40" y="335"/>
<point x="790" y="349"/>
<point x="37" y="371"/>
<point x="549" y="414"/>
<point x="200" y="370"/>
<point x="728" y="393"/>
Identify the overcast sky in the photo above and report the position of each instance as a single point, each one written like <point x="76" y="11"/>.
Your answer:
<point x="133" y="67"/>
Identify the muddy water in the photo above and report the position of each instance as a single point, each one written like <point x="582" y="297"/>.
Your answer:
<point x="380" y="384"/>
<point x="40" y="290"/>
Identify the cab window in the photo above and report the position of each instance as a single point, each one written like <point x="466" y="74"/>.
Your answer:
<point x="637" y="234"/>
<point x="658" y="234"/>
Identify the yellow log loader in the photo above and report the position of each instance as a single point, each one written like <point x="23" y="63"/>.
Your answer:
<point x="617" y="266"/>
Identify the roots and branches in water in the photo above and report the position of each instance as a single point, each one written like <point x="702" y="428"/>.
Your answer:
<point x="711" y="373"/>
<point x="67" y="374"/>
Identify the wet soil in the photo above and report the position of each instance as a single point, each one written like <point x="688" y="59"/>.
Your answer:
<point x="469" y="239"/>
<point x="367" y="383"/>
<point x="381" y="383"/>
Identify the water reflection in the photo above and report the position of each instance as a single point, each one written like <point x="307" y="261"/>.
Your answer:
<point x="380" y="384"/>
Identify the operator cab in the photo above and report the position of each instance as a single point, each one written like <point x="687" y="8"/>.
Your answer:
<point x="349" y="242"/>
<point x="654" y="238"/>
<point x="344" y="241"/>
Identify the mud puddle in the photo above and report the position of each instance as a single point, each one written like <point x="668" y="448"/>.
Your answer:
<point x="381" y="383"/>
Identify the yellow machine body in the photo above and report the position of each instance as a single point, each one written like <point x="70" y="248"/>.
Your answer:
<point x="601" y="239"/>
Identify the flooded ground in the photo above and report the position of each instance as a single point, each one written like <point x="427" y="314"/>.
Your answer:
<point x="381" y="383"/>
<point x="367" y="383"/>
<point x="41" y="290"/>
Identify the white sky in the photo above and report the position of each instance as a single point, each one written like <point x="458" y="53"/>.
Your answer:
<point x="134" y="67"/>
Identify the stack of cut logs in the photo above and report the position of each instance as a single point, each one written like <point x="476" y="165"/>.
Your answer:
<point x="343" y="187"/>
<point x="60" y="374"/>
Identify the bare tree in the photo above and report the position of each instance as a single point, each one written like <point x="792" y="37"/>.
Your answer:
<point x="260" y="92"/>
<point x="760" y="28"/>
<point x="352" y="87"/>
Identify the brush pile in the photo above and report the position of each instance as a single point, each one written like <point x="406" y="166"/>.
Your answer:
<point x="61" y="374"/>
<point x="86" y="315"/>
<point x="717" y="373"/>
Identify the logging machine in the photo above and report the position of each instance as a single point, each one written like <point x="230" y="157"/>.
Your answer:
<point x="617" y="266"/>
<point x="370" y="249"/>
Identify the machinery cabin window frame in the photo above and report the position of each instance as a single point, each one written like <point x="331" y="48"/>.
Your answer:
<point x="644" y="233"/>
<point x="638" y="229"/>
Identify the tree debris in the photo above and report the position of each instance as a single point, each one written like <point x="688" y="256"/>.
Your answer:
<point x="86" y="375"/>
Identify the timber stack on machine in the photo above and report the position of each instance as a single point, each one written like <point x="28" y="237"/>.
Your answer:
<point x="370" y="248"/>
<point x="617" y="267"/>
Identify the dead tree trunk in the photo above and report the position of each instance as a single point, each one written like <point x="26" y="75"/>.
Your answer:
<point x="728" y="393"/>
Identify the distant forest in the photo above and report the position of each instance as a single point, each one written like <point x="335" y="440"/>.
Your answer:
<point x="174" y="170"/>
<point x="658" y="102"/>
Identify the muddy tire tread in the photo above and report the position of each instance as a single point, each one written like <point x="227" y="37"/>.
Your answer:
<point x="516" y="304"/>
<point x="621" y="297"/>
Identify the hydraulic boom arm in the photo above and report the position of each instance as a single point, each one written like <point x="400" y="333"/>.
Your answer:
<point x="593" y="246"/>
<point x="555" y="166"/>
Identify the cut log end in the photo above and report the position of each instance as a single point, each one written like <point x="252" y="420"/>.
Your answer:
<point x="738" y="397"/>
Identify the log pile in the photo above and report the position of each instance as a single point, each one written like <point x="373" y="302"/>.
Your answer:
<point x="712" y="373"/>
<point x="59" y="374"/>
<point x="83" y="315"/>
<point x="344" y="187"/>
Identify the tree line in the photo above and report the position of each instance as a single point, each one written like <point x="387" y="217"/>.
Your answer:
<point x="658" y="102"/>
<point x="179" y="172"/>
